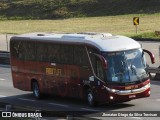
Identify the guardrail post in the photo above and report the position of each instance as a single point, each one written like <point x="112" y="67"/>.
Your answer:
<point x="159" y="52"/>
<point x="8" y="107"/>
<point x="7" y="41"/>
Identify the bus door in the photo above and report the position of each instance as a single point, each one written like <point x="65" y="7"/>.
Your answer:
<point x="99" y="65"/>
<point x="100" y="73"/>
<point x="79" y="71"/>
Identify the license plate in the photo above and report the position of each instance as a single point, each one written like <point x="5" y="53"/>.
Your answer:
<point x="132" y="96"/>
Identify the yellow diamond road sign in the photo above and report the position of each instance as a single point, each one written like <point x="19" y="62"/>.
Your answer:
<point x="136" y="20"/>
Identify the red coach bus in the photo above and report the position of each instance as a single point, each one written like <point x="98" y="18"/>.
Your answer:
<point x="98" y="67"/>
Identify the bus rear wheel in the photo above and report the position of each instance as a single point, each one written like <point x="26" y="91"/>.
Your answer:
<point x="36" y="90"/>
<point x="90" y="98"/>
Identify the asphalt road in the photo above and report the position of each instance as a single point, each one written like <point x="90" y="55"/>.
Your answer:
<point x="10" y="95"/>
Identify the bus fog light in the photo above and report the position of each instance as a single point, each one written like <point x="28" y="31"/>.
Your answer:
<point x="111" y="97"/>
<point x="149" y="92"/>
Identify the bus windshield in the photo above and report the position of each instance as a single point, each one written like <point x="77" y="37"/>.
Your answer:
<point x="126" y="66"/>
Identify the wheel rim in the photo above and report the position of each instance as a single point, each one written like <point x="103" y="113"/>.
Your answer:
<point x="90" y="98"/>
<point x="36" y="90"/>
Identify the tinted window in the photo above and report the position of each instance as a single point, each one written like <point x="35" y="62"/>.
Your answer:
<point x="80" y="56"/>
<point x="29" y="50"/>
<point x="92" y="57"/>
<point x="15" y="48"/>
<point x="23" y="50"/>
<point x="42" y="54"/>
<point x="66" y="54"/>
<point x="54" y="53"/>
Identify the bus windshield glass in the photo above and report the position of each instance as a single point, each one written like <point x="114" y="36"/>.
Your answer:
<point x="126" y="66"/>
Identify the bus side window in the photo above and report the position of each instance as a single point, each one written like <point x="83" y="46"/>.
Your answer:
<point x="41" y="52"/>
<point x="30" y="51"/>
<point x="22" y="51"/>
<point x="99" y="70"/>
<point x="15" y="48"/>
<point x="92" y="57"/>
<point x="53" y="53"/>
<point x="97" y="64"/>
<point x="66" y="54"/>
<point x="80" y="56"/>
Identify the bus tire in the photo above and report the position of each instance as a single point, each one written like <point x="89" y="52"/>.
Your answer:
<point x="90" y="98"/>
<point x="36" y="90"/>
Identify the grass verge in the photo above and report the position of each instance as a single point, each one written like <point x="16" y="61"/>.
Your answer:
<point x="122" y="24"/>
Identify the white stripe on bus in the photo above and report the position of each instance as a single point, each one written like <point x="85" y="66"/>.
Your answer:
<point x="1" y="79"/>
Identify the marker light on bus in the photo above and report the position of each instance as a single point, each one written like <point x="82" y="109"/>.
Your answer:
<point x="111" y="97"/>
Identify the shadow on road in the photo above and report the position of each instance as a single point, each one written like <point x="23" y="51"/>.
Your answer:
<point x="53" y="105"/>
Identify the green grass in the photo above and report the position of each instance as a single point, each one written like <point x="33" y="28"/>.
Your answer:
<point x="146" y="35"/>
<point x="122" y="24"/>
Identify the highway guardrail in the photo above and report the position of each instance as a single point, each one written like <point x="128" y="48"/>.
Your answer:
<point x="153" y="70"/>
<point x="4" y="57"/>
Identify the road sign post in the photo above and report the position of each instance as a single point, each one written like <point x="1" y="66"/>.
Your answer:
<point x="136" y="29"/>
<point x="136" y="22"/>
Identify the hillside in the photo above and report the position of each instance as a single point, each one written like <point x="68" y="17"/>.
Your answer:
<point x="58" y="9"/>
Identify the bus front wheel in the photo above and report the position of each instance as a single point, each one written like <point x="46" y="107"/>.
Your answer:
<point x="90" y="98"/>
<point x="36" y="90"/>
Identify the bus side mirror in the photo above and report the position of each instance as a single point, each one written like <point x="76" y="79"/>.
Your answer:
<point x="103" y="60"/>
<point x="151" y="55"/>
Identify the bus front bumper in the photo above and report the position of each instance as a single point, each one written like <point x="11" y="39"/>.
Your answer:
<point x="127" y="97"/>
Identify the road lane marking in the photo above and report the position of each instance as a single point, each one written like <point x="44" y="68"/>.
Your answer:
<point x="1" y="79"/>
<point x="62" y="105"/>
<point x="89" y="109"/>
<point x="137" y="118"/>
<point x="1" y="96"/>
<point x="158" y="100"/>
<point x="26" y="99"/>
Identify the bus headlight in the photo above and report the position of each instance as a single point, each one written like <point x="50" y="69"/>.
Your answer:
<point x="111" y="90"/>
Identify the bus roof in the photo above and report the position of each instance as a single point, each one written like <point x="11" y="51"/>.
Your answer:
<point x="103" y="41"/>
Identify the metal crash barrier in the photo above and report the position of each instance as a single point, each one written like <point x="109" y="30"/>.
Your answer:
<point x="4" y="58"/>
<point x="156" y="71"/>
